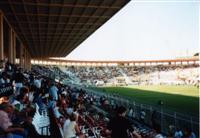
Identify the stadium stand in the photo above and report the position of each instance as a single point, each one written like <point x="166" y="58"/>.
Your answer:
<point x="112" y="100"/>
<point x="50" y="101"/>
<point x="90" y="112"/>
<point x="122" y="75"/>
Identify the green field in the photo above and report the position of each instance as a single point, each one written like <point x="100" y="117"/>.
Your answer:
<point x="183" y="99"/>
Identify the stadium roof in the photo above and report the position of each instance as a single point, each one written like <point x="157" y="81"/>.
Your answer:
<point x="53" y="28"/>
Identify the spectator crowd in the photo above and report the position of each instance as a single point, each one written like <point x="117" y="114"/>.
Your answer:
<point x="70" y="110"/>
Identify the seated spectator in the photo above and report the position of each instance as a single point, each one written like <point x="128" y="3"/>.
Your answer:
<point x="53" y="91"/>
<point x="56" y="111"/>
<point x="71" y="130"/>
<point x="4" y="78"/>
<point x="37" y="83"/>
<point x="69" y="110"/>
<point x="155" y="118"/>
<point x="31" y="93"/>
<point x="4" y="99"/>
<point x="142" y="116"/>
<point x="130" y="113"/>
<point x="178" y="133"/>
<point x="119" y="125"/>
<point x="22" y="99"/>
<point x="188" y="133"/>
<point x="18" y="77"/>
<point x="65" y="121"/>
<point x="32" y="133"/>
<point x="6" y="124"/>
<point x="157" y="129"/>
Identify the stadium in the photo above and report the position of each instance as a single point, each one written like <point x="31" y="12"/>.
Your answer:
<point x="46" y="94"/>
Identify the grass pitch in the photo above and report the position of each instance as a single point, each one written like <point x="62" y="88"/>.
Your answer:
<point x="183" y="99"/>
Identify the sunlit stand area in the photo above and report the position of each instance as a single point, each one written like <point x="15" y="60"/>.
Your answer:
<point x="105" y="73"/>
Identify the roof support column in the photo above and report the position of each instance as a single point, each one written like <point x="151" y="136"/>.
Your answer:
<point x="26" y="58"/>
<point x="14" y="47"/>
<point x="21" y="55"/>
<point x="1" y="37"/>
<point x="24" y="51"/>
<point x="10" y="45"/>
<point x="29" y="62"/>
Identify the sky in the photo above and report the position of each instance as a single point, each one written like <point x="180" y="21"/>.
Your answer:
<point x="145" y="30"/>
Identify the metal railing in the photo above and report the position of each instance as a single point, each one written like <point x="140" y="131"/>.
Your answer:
<point x="165" y="118"/>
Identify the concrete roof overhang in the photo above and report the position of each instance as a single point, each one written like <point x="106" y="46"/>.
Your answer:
<point x="53" y="28"/>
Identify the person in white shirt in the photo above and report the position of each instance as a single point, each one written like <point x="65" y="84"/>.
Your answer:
<point x="178" y="133"/>
<point x="71" y="129"/>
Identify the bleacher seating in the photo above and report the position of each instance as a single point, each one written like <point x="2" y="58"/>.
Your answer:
<point x="124" y="75"/>
<point x="94" y="110"/>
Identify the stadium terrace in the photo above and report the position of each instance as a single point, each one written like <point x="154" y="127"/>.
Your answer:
<point x="41" y="97"/>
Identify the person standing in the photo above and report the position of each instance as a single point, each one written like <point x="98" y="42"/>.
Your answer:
<point x="119" y="126"/>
